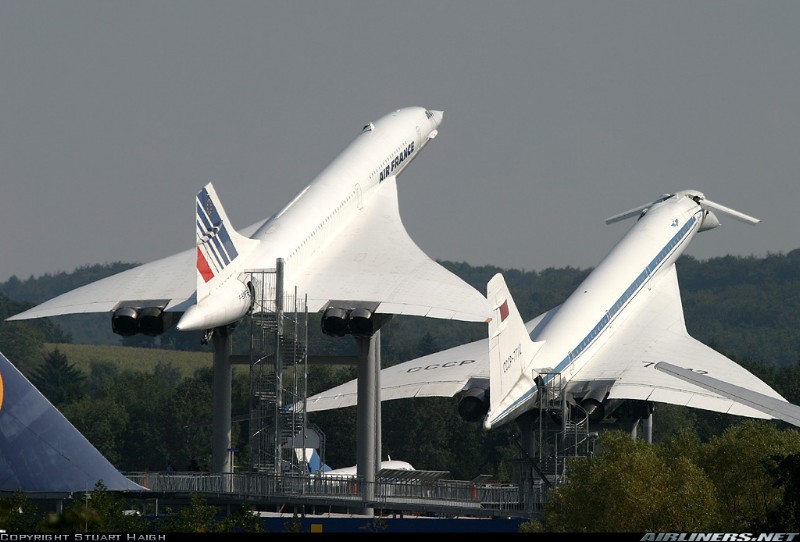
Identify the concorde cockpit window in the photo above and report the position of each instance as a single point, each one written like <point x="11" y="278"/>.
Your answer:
<point x="368" y="128"/>
<point x="428" y="114"/>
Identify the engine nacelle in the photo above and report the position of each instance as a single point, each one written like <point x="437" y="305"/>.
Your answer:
<point x="334" y="322"/>
<point x="632" y="410"/>
<point x="473" y="405"/>
<point x="154" y="321"/>
<point x="130" y="319"/>
<point x="125" y="321"/>
<point x="359" y="321"/>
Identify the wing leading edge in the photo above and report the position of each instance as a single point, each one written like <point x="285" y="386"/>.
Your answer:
<point x="656" y="332"/>
<point x="170" y="279"/>
<point x="377" y="261"/>
<point x="772" y="407"/>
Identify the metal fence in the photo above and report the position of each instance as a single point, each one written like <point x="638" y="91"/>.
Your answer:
<point x="447" y="497"/>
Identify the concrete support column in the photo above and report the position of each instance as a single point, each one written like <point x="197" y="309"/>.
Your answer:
<point x="221" y="402"/>
<point x="366" y="416"/>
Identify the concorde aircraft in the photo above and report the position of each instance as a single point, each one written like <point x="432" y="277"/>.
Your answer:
<point x="340" y="244"/>
<point x="341" y="239"/>
<point x="612" y="343"/>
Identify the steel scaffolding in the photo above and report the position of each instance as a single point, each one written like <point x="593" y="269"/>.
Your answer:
<point x="278" y="375"/>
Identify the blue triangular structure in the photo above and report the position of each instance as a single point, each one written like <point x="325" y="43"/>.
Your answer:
<point x="40" y="450"/>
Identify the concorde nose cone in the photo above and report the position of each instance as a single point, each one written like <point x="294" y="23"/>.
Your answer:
<point x="437" y="117"/>
<point x="436" y="121"/>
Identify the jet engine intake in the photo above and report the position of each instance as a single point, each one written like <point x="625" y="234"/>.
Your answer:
<point x="352" y="319"/>
<point x="146" y="317"/>
<point x="154" y="321"/>
<point x="474" y="404"/>
<point x="124" y="321"/>
<point x="334" y="322"/>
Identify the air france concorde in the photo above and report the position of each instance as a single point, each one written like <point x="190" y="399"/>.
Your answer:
<point x="341" y="240"/>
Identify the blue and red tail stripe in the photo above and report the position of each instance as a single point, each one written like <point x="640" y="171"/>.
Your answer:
<point x="216" y="249"/>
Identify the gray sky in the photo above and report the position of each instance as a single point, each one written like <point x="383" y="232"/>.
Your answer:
<point x="558" y="114"/>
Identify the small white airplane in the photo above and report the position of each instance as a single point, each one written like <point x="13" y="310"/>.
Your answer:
<point x="341" y="239"/>
<point x="612" y="342"/>
<point x="318" y="468"/>
<point x="351" y="472"/>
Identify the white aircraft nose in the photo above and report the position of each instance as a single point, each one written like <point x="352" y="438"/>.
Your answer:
<point x="437" y="117"/>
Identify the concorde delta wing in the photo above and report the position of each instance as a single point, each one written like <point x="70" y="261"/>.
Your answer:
<point x="376" y="261"/>
<point x="654" y="332"/>
<point x="166" y="280"/>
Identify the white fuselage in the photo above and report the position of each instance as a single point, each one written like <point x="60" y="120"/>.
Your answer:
<point x="600" y="303"/>
<point x="320" y="212"/>
<point x="324" y="207"/>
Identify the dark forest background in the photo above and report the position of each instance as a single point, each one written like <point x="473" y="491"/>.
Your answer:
<point x="747" y="308"/>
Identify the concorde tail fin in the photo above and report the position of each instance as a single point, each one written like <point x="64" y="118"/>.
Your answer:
<point x="219" y="246"/>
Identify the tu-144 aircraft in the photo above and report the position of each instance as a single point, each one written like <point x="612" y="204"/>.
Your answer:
<point x="341" y="239"/>
<point x="619" y="340"/>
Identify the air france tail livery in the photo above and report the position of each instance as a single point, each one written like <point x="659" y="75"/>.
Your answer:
<point x="618" y="339"/>
<point x="341" y="239"/>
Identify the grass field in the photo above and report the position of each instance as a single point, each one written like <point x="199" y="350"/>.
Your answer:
<point x="134" y="359"/>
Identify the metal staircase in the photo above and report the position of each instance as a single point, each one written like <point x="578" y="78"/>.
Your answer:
<point x="550" y="433"/>
<point x="278" y="374"/>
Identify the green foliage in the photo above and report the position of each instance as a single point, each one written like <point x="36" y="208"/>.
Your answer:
<point x="746" y="307"/>
<point x="745" y="480"/>
<point x="110" y="513"/>
<point x="97" y="511"/>
<point x="189" y="414"/>
<point x="58" y="380"/>
<point x="78" y="518"/>
<point x="140" y="360"/>
<point x="102" y="421"/>
<point x="18" y="514"/>
<point x="199" y="517"/>
<point x="83" y="328"/>
<point x="243" y="520"/>
<point x="293" y="526"/>
<point x="739" y="462"/>
<point x="641" y="491"/>
<point x="786" y="476"/>
<point x="21" y="341"/>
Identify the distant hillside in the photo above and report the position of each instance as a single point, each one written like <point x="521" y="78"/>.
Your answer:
<point x="746" y="307"/>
